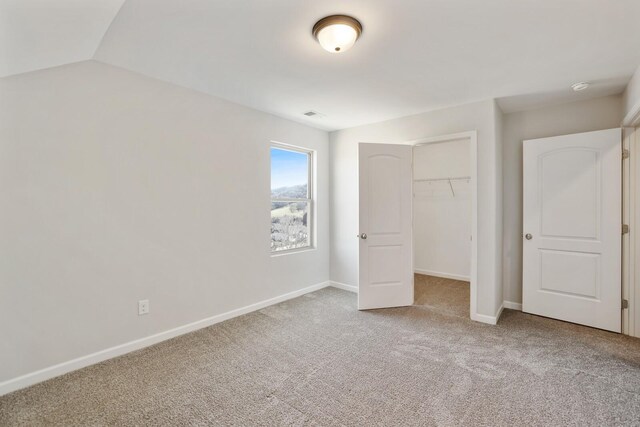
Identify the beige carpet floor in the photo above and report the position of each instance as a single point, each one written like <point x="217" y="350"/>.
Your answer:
<point x="316" y="360"/>
<point x="447" y="296"/>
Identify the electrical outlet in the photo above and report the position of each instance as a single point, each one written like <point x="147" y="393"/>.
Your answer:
<point x="143" y="307"/>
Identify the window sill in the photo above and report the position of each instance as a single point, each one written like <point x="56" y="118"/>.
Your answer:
<point x="292" y="251"/>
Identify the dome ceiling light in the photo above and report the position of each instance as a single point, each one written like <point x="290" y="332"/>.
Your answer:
<point x="337" y="33"/>
<point x="577" y="87"/>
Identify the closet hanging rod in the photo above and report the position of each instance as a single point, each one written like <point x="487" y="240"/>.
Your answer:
<point x="453" y="178"/>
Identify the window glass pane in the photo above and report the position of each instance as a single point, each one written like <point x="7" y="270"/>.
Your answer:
<point x="289" y="174"/>
<point x="289" y="225"/>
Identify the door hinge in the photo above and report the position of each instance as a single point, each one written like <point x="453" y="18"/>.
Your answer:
<point x="625" y="154"/>
<point x="625" y="229"/>
<point x="625" y="304"/>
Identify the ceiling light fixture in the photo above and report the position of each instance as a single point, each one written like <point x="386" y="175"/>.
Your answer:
<point x="577" y="87"/>
<point x="337" y="33"/>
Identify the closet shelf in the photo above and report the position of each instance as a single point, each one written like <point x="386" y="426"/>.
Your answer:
<point x="453" y="178"/>
<point x="448" y="179"/>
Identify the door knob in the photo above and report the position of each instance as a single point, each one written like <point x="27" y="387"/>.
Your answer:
<point x="363" y="236"/>
<point x="528" y="236"/>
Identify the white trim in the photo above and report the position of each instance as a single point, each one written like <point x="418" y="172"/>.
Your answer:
<point x="490" y="320"/>
<point x="634" y="240"/>
<point x="311" y="194"/>
<point x="109" y="353"/>
<point x="633" y="116"/>
<point x="441" y="274"/>
<point x="631" y="242"/>
<point x="512" y="305"/>
<point x="444" y="138"/>
<point x="344" y="287"/>
<point x="473" y="279"/>
<point x="628" y="327"/>
<point x="276" y="254"/>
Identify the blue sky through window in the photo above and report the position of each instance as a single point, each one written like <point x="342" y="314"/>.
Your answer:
<point x="288" y="168"/>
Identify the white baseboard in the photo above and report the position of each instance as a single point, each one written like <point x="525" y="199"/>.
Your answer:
<point x="490" y="320"/>
<point x="345" y="287"/>
<point x="512" y="305"/>
<point x="109" y="353"/>
<point x="441" y="274"/>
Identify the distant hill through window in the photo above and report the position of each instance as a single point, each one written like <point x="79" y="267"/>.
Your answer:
<point x="292" y="192"/>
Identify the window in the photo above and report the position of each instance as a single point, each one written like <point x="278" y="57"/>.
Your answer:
<point x="291" y="198"/>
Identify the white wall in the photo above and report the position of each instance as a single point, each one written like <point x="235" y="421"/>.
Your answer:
<point x="115" y="187"/>
<point x="479" y="116"/>
<point x="442" y="217"/>
<point x="583" y="116"/>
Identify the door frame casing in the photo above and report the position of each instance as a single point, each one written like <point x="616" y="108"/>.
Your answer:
<point x="472" y="136"/>
<point x="630" y="241"/>
<point x="631" y="216"/>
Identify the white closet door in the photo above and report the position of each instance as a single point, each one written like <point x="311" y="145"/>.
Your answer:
<point x="386" y="270"/>
<point x="572" y="228"/>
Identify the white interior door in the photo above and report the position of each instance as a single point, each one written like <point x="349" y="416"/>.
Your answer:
<point x="386" y="259"/>
<point x="572" y="228"/>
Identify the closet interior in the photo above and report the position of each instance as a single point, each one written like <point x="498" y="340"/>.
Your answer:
<point x="442" y="224"/>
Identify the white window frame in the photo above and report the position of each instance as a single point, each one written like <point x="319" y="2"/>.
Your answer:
<point x="310" y="195"/>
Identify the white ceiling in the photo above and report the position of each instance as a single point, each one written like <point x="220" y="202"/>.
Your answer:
<point x="36" y="34"/>
<point x="414" y="55"/>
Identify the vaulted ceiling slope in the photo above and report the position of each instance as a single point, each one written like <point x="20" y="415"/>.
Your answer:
<point x="414" y="55"/>
<point x="37" y="34"/>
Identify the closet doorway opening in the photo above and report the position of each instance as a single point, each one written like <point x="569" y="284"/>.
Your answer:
<point x="444" y="223"/>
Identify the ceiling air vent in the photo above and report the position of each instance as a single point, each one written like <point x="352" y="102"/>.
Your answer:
<point x="313" y="114"/>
